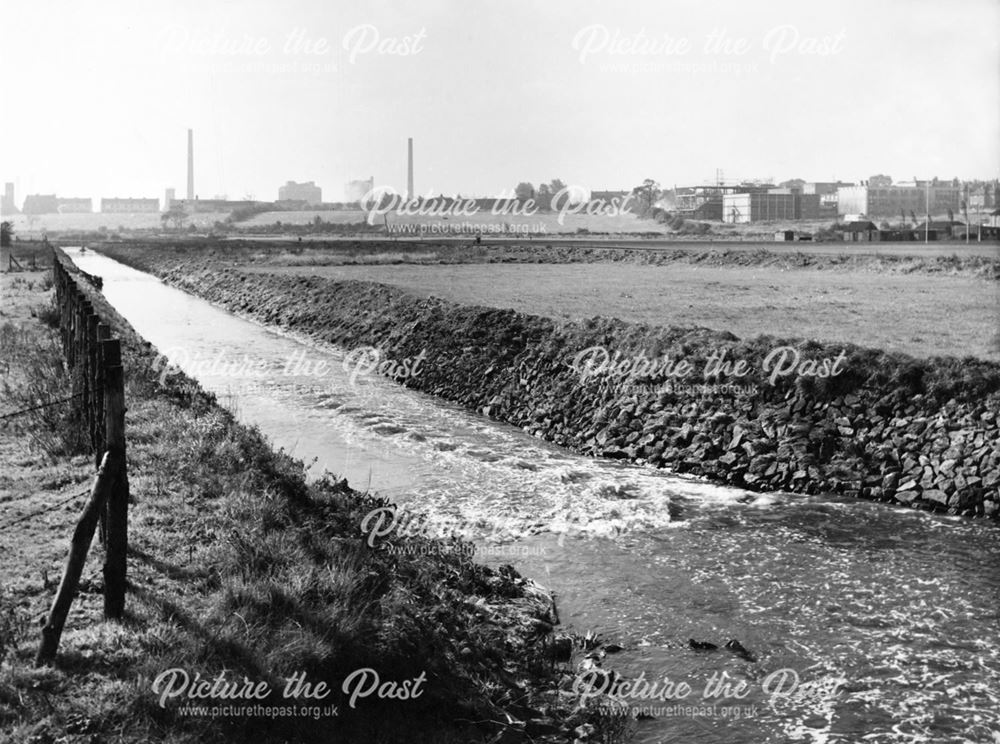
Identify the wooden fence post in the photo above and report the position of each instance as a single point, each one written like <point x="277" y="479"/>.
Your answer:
<point x="117" y="529"/>
<point x="80" y="544"/>
<point x="83" y="360"/>
<point x="93" y="412"/>
<point x="70" y="317"/>
<point x="103" y="334"/>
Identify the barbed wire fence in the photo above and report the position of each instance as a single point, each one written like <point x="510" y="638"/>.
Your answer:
<point x="98" y="394"/>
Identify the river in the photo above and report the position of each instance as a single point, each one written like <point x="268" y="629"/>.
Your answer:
<point x="887" y="617"/>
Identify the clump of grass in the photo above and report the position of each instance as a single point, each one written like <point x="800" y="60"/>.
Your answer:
<point x="14" y="625"/>
<point x="48" y="313"/>
<point x="36" y="375"/>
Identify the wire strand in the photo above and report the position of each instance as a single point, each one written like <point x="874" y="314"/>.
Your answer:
<point x="39" y="512"/>
<point x="39" y="407"/>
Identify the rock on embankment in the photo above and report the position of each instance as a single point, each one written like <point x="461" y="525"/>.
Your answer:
<point x="879" y="426"/>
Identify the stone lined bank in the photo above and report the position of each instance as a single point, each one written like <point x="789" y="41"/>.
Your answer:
<point x="878" y="426"/>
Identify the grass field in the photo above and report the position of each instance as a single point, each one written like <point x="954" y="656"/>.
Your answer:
<point x="920" y="314"/>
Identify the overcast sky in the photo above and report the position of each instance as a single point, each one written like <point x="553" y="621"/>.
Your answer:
<point x="98" y="95"/>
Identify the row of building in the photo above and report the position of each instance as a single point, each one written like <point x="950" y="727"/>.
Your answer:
<point x="877" y="197"/>
<point x="292" y="194"/>
<point x="52" y="204"/>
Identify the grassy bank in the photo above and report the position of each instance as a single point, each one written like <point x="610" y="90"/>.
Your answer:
<point x="237" y="565"/>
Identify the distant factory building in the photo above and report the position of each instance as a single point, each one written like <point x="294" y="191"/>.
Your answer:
<point x="8" y="205"/>
<point x="701" y="202"/>
<point x="982" y="196"/>
<point x="74" y="205"/>
<point x="827" y="193"/>
<point x="307" y="192"/>
<point x="41" y="204"/>
<point x="169" y="197"/>
<point x="769" y="206"/>
<point x="891" y="201"/>
<point x="354" y="191"/>
<point x="52" y="204"/>
<point x="129" y="205"/>
<point x="706" y="202"/>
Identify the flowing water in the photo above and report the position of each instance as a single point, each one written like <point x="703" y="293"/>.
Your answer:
<point x="887" y="618"/>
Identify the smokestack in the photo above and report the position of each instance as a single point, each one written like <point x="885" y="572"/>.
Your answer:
<point x="190" y="192"/>
<point x="409" y="169"/>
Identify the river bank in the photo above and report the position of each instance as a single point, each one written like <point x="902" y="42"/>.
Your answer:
<point x="835" y="419"/>
<point x="981" y="260"/>
<point x="239" y="566"/>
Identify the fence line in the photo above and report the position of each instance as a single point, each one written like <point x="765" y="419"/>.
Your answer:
<point x="95" y="361"/>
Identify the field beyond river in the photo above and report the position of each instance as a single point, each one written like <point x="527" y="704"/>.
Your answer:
<point x="940" y="299"/>
<point x="920" y="314"/>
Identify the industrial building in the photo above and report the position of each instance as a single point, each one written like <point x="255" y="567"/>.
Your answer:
<point x="827" y="192"/>
<point x="891" y="201"/>
<point x="129" y="205"/>
<point x="307" y="192"/>
<point x="52" y="204"/>
<point x="705" y="202"/>
<point x="769" y="206"/>
<point x="40" y="204"/>
<point x="8" y="205"/>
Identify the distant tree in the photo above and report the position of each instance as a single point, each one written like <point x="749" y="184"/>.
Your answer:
<point x="544" y="197"/>
<point x="524" y="191"/>
<point x="951" y="215"/>
<point x="902" y="217"/>
<point x="175" y="215"/>
<point x="648" y="192"/>
<point x="6" y="232"/>
<point x="556" y="185"/>
<point x="913" y="217"/>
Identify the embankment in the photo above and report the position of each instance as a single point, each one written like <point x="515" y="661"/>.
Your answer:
<point x="802" y="416"/>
